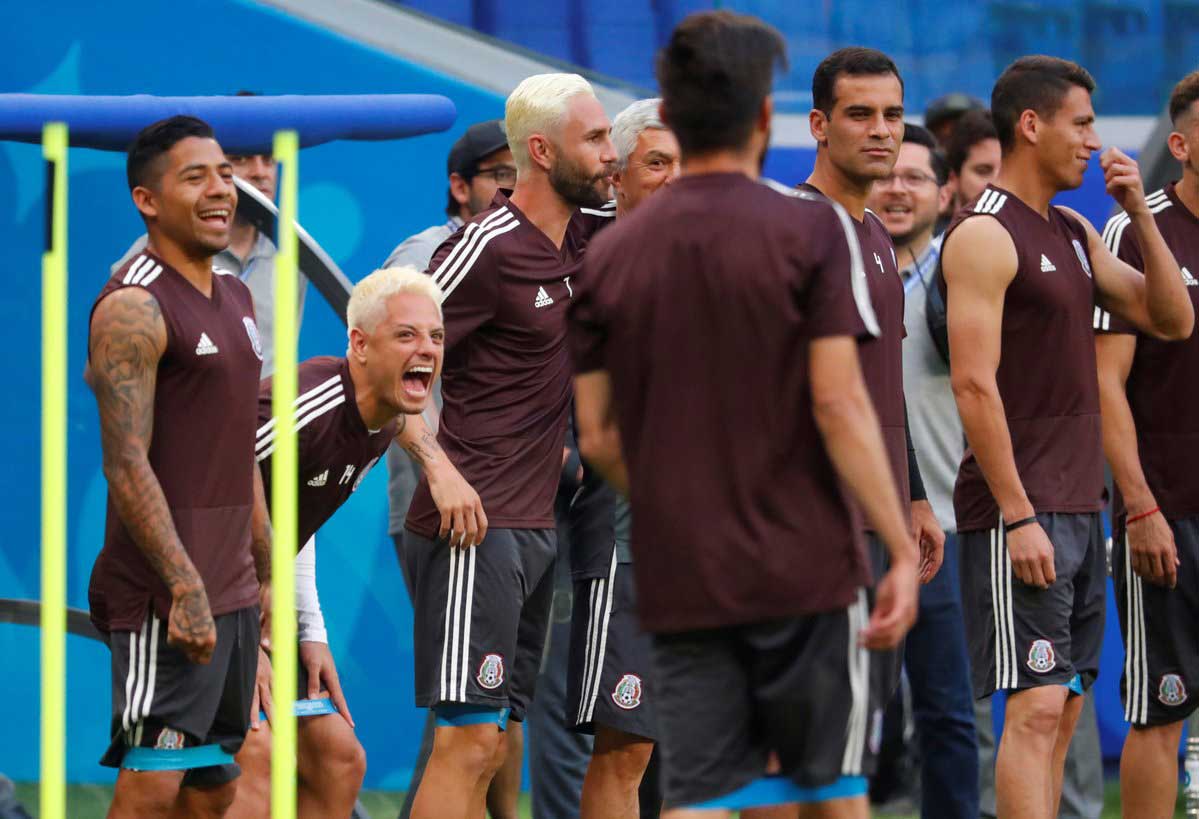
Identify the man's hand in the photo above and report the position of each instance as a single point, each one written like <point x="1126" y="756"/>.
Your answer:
<point x="462" y="517"/>
<point x="1032" y="555"/>
<point x="929" y="537"/>
<point x="1152" y="551"/>
<point x="191" y="628"/>
<point x="264" y="615"/>
<point x="1122" y="176"/>
<point x="894" y="607"/>
<point x="263" y="699"/>
<point x="317" y="660"/>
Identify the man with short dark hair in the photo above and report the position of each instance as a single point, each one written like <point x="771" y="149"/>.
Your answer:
<point x="1022" y="278"/>
<point x="944" y="113"/>
<point x="251" y="254"/>
<point x="186" y="556"/>
<point x="672" y="331"/>
<point x="973" y="155"/>
<point x="857" y="121"/>
<point x="935" y="654"/>
<point x="1152" y="449"/>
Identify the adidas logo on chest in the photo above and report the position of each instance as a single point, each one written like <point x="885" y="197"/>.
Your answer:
<point x="205" y="346"/>
<point x="1046" y="265"/>
<point x="320" y="480"/>
<point x="543" y="298"/>
<point x="1188" y="279"/>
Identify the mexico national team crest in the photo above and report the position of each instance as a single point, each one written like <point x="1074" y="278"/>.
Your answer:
<point x="252" y="332"/>
<point x="627" y="694"/>
<point x="1040" y="657"/>
<point x="1082" y="256"/>
<point x="491" y="671"/>
<point x="1171" y="691"/>
<point x="169" y="740"/>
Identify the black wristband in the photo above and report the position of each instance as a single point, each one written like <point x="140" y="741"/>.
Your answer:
<point x="1016" y="524"/>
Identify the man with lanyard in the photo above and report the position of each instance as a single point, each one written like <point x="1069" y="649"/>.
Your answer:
<point x="935" y="655"/>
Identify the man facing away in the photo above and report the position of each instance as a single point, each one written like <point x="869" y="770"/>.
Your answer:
<point x="723" y="309"/>
<point x="186" y="557"/>
<point x="1022" y="278"/>
<point x="1151" y="447"/>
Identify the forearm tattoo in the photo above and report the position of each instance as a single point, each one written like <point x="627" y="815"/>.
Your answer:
<point x="425" y="449"/>
<point x="128" y="337"/>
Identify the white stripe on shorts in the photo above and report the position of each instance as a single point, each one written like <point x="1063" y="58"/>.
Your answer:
<point x="1006" y="668"/>
<point x="594" y="594"/>
<point x="598" y="657"/>
<point x="1136" y="659"/>
<point x="470" y="597"/>
<point x="858" y="661"/>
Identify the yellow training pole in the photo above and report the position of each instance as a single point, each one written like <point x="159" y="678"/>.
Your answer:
<point x="54" y="478"/>
<point x="284" y="470"/>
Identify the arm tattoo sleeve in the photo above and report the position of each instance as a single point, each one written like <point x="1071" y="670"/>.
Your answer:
<point x="128" y="337"/>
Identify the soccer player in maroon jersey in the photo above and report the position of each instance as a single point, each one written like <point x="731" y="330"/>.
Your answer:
<point x="715" y="336"/>
<point x="1152" y="443"/>
<point x="186" y="558"/>
<point x="857" y="121"/>
<point x="348" y="410"/>
<point x="1022" y="279"/>
<point x="481" y="614"/>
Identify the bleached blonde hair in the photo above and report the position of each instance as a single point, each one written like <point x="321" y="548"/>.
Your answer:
<point x="538" y="106"/>
<point x="368" y="300"/>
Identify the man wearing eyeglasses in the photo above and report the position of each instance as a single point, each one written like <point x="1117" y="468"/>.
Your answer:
<point x="908" y="201"/>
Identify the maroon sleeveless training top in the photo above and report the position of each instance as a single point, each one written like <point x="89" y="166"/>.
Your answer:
<point x="1046" y="376"/>
<point x="202" y="450"/>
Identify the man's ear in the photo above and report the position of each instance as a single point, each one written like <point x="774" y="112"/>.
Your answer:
<point x="145" y="200"/>
<point x="541" y="151"/>
<point x="357" y="347"/>
<point x="459" y="189"/>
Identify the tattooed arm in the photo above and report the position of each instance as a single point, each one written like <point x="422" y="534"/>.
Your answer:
<point x="462" y="516"/>
<point x="260" y="547"/>
<point x="128" y="337"/>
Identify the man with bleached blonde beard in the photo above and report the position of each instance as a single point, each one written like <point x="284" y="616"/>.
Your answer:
<point x="506" y="389"/>
<point x="610" y="685"/>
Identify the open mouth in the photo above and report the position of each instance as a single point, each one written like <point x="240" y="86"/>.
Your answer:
<point x="897" y="210"/>
<point x="217" y="217"/>
<point x="417" y="380"/>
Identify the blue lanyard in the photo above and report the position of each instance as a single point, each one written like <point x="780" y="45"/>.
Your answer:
<point x="921" y="268"/>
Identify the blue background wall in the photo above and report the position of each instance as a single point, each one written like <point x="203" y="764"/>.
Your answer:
<point x="357" y="199"/>
<point x="1137" y="49"/>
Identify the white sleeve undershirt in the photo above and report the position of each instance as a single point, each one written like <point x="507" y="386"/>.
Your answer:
<point x="309" y="620"/>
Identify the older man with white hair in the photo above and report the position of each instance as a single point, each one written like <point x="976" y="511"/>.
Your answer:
<point x="481" y="614"/>
<point x="611" y="693"/>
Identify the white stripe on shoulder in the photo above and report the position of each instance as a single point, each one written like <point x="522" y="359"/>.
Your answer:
<point x="149" y="278"/>
<point x="135" y="271"/>
<point x="981" y="205"/>
<point x="470" y="236"/>
<point x="999" y="202"/>
<point x="450" y="286"/>
<point x="857" y="271"/>
<point x="220" y="271"/>
<point x="607" y="209"/>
